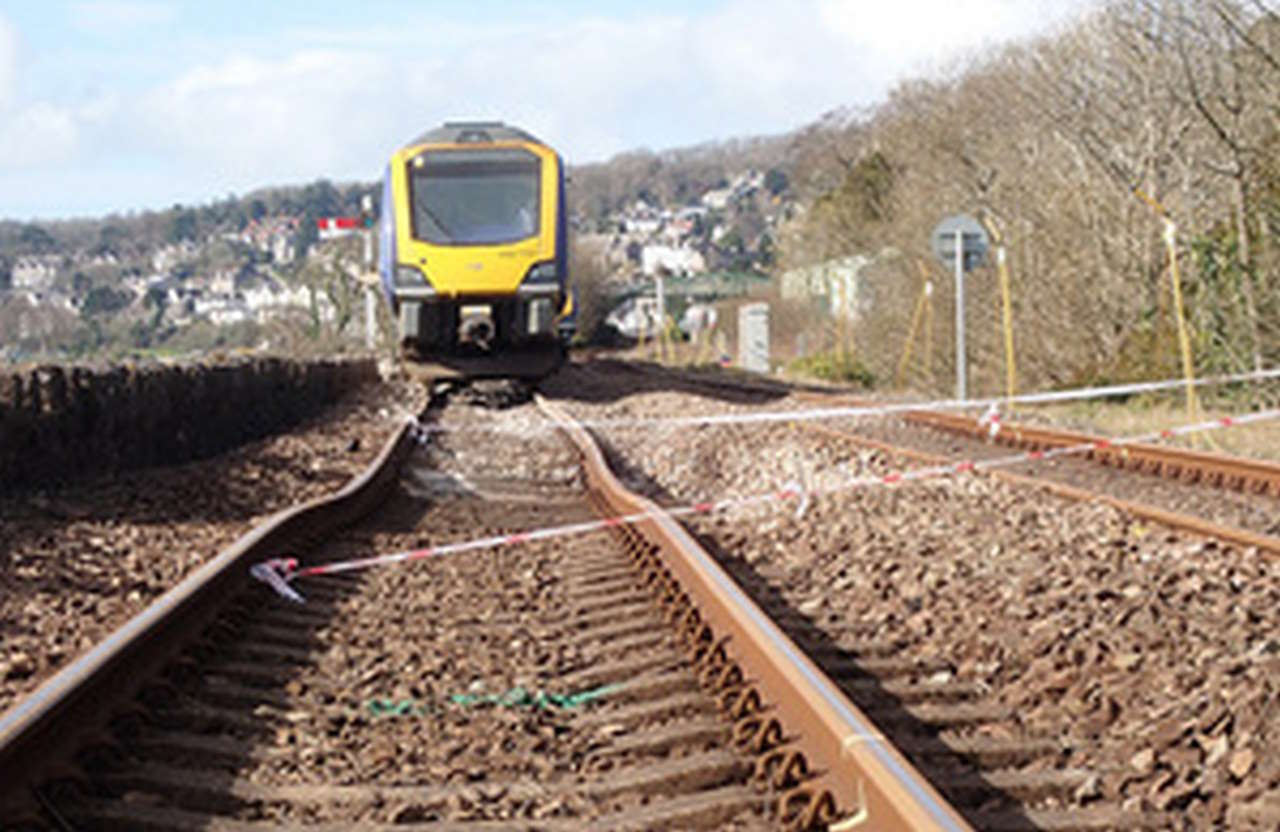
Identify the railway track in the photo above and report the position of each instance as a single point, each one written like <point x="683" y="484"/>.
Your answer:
<point x="1221" y="470"/>
<point x="614" y="680"/>
<point x="1229" y="498"/>
<point x="1177" y="488"/>
<point x="1074" y="673"/>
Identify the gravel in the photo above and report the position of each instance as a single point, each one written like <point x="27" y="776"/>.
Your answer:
<point x="80" y="561"/>
<point x="526" y="684"/>
<point x="1254" y="512"/>
<point x="1153" y="654"/>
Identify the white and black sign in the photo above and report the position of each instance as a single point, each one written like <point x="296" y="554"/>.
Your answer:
<point x="974" y="241"/>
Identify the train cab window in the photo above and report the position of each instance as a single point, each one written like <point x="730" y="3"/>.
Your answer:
<point x="475" y="197"/>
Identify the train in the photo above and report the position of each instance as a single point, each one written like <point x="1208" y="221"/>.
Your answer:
<point x="473" y="251"/>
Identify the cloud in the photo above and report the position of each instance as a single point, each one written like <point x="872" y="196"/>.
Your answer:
<point x="118" y="14"/>
<point x="36" y="135"/>
<point x="905" y="34"/>
<point x="291" y="105"/>
<point x="591" y="86"/>
<point x="8" y="61"/>
<point x="256" y="121"/>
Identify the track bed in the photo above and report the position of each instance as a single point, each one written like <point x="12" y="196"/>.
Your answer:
<point x="537" y="686"/>
<point x="1046" y="663"/>
<point x="1258" y="513"/>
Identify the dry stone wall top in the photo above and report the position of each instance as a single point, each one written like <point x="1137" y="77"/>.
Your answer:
<point x="59" y="422"/>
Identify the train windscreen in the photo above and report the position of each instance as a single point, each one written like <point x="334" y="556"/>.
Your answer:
<point x="475" y="197"/>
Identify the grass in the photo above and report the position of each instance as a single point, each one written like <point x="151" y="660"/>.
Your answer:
<point x="840" y="367"/>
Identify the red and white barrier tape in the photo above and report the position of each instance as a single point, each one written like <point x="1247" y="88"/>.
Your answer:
<point x="279" y="573"/>
<point x="812" y="414"/>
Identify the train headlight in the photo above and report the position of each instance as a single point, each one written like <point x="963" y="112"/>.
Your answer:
<point x="542" y="278"/>
<point x="543" y="273"/>
<point x="409" y="277"/>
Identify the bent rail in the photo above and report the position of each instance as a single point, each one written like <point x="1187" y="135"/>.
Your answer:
<point x="848" y="770"/>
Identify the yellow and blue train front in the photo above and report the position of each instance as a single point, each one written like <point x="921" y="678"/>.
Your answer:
<point x="473" y="242"/>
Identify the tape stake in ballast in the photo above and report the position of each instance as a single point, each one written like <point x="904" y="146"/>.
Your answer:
<point x="275" y="573"/>
<point x="991" y="420"/>
<point x="798" y="491"/>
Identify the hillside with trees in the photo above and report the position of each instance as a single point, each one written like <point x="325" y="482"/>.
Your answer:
<point x="1081" y="149"/>
<point x="675" y="177"/>
<point x="1076" y="148"/>
<point x="177" y="279"/>
<point x="126" y="235"/>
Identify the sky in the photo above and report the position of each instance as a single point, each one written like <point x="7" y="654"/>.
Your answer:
<point x="124" y="105"/>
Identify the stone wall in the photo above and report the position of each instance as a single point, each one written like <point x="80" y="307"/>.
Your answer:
<point x="58" y="422"/>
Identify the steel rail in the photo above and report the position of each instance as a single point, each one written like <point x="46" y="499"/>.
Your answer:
<point x="1184" y="522"/>
<point x="849" y="772"/>
<point x="1222" y="470"/>
<point x="825" y="759"/>
<point x="40" y="733"/>
<point x="1240" y="473"/>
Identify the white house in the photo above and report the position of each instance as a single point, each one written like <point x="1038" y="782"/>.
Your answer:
<point x="34" y="272"/>
<point x="223" y="311"/>
<point x="164" y="259"/>
<point x="642" y="226"/>
<point x="636" y="317"/>
<point x="223" y="282"/>
<point x="272" y="298"/>
<point x="836" y="281"/>
<point x="671" y="259"/>
<point x="282" y="249"/>
<point x="718" y="199"/>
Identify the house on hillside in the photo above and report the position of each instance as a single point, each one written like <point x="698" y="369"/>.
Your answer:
<point x="273" y="235"/>
<point x="223" y="281"/>
<point x="104" y="259"/>
<point x="684" y="223"/>
<point x="137" y="283"/>
<point x="833" y="283"/>
<point x="221" y="311"/>
<point x="165" y="259"/>
<point x="673" y="260"/>
<point x="718" y="199"/>
<point x="271" y="298"/>
<point x="34" y="272"/>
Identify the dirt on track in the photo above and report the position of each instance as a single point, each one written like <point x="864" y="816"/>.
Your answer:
<point x="1149" y="657"/>
<point x="77" y="562"/>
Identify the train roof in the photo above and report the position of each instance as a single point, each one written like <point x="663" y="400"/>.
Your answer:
<point x="475" y="132"/>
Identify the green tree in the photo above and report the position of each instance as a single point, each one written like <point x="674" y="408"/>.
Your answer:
<point x="319" y="199"/>
<point x="182" y="225"/>
<point x="157" y="300"/>
<point x="776" y="181"/>
<point x="113" y="240"/>
<point x="766" y="254"/>
<point x="36" y="240"/>
<point x="103" y="300"/>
